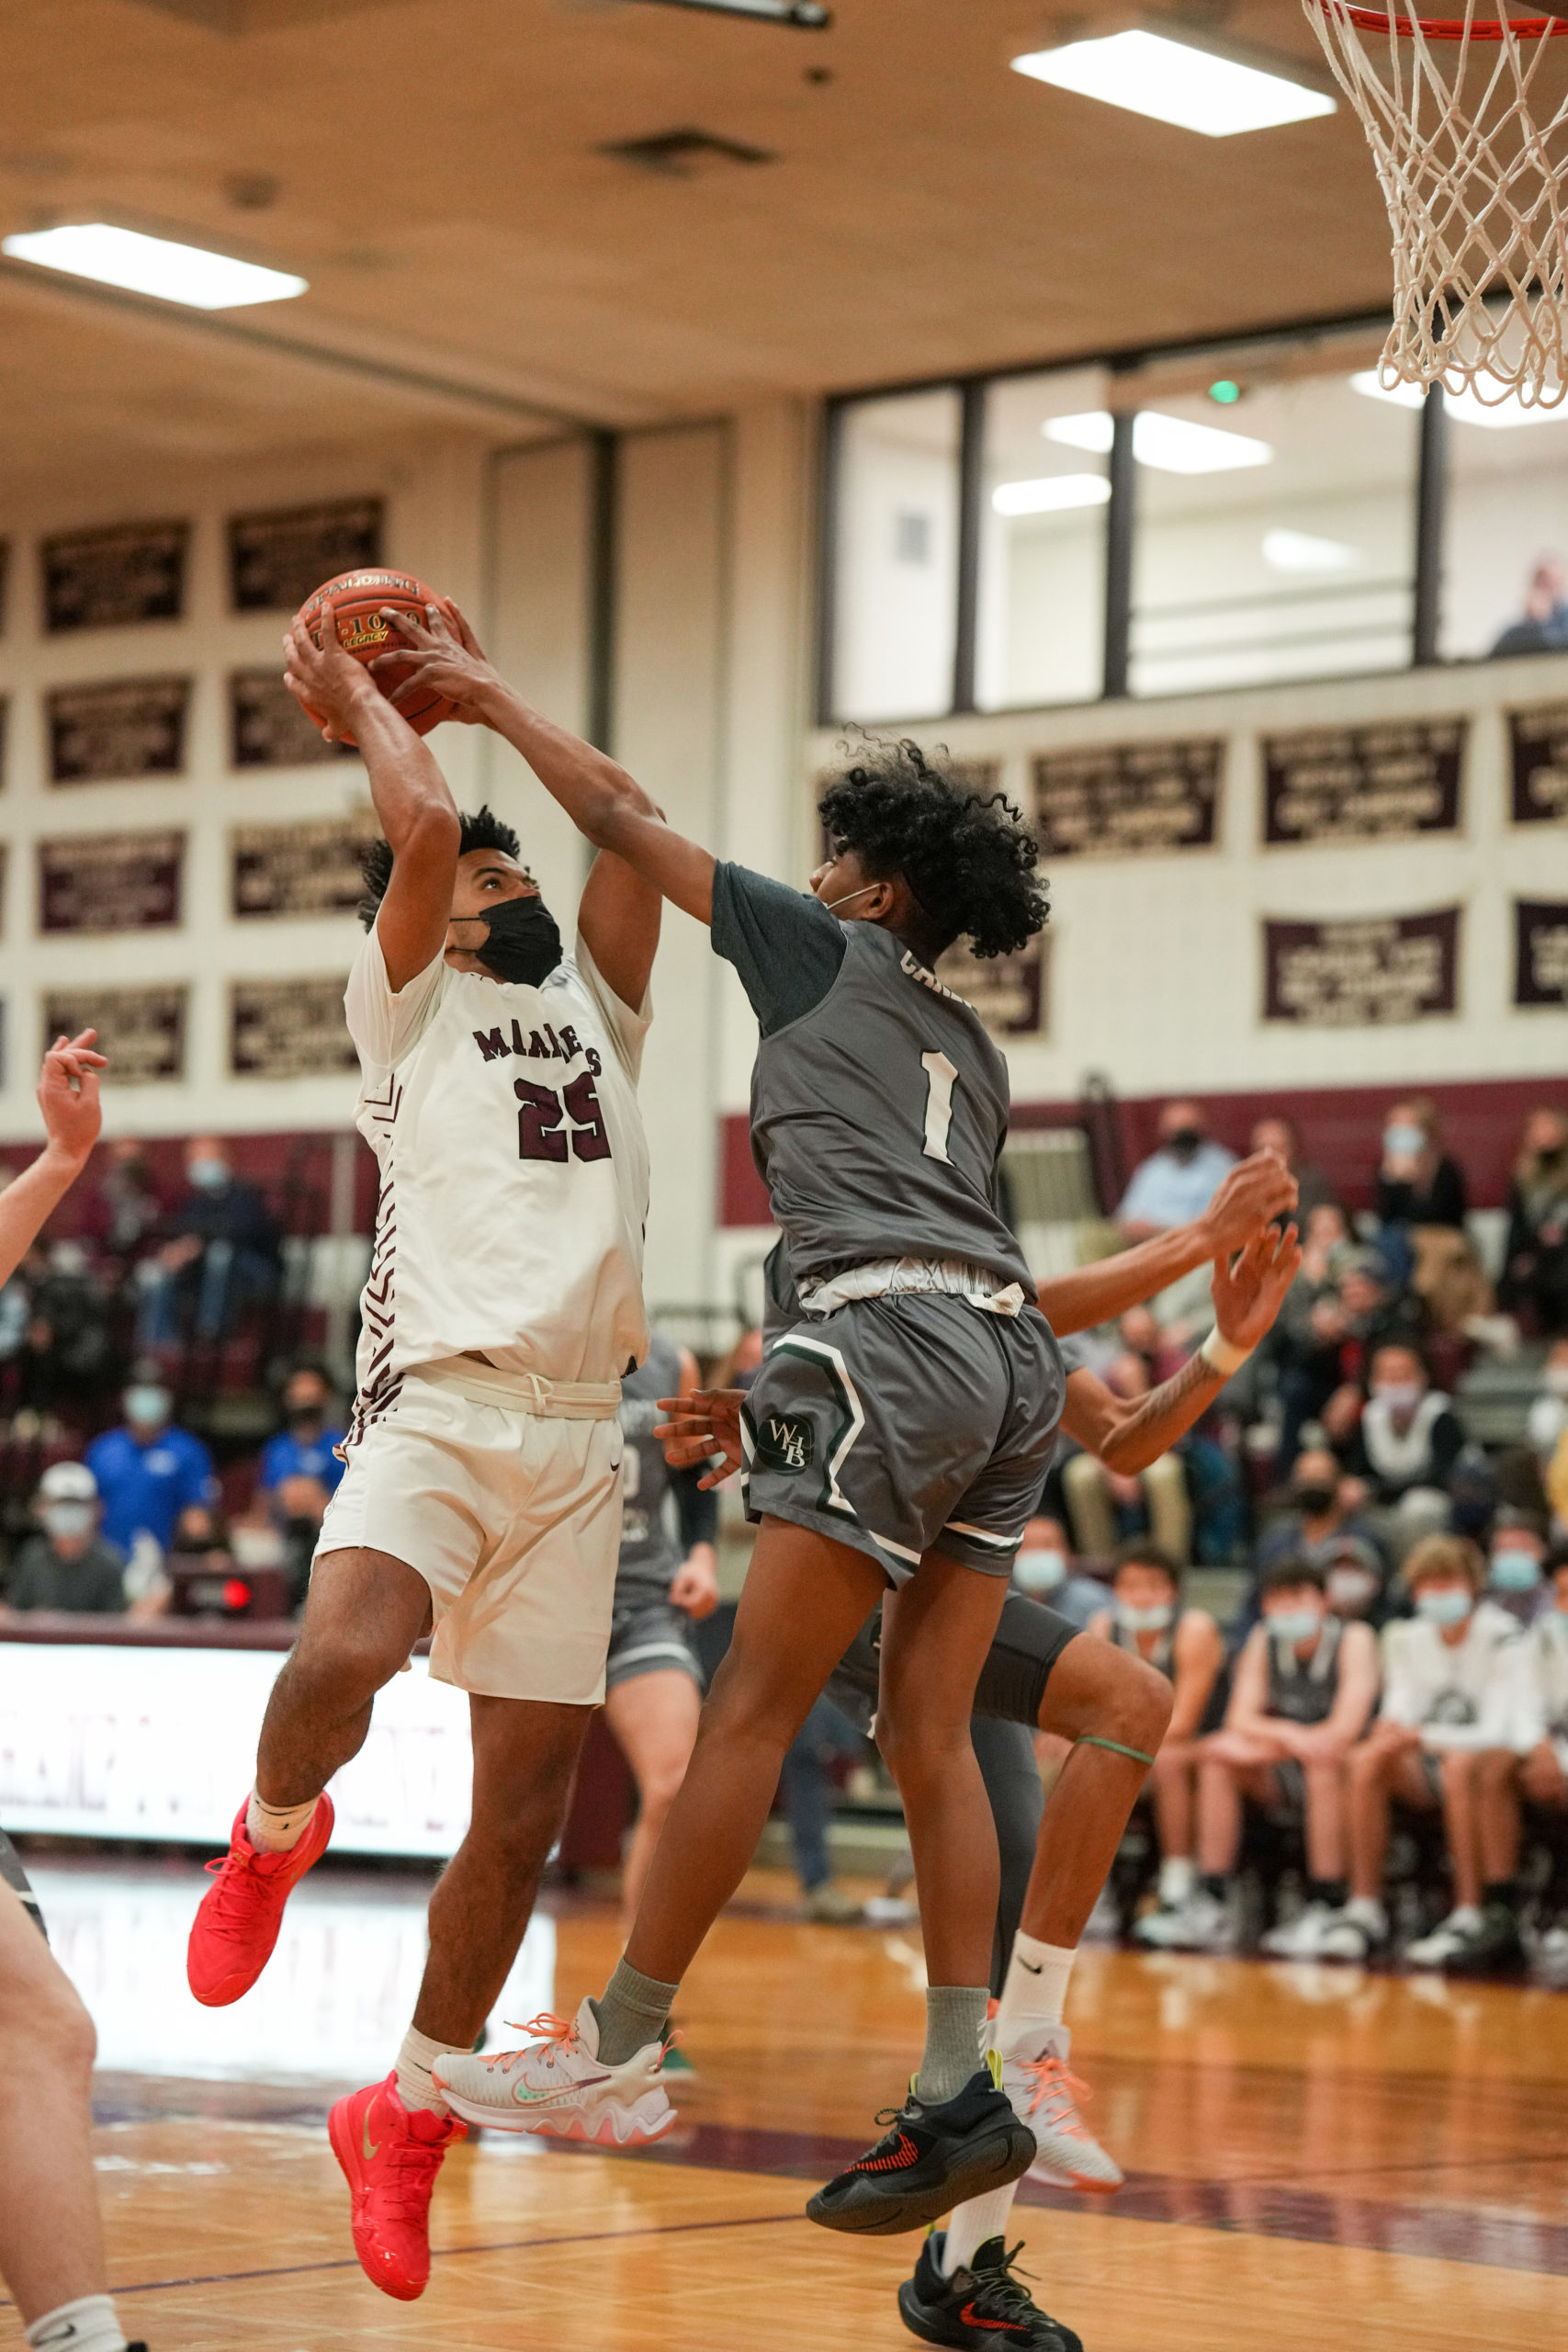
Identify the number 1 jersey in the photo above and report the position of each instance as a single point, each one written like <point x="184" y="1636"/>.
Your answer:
<point x="514" y="1171"/>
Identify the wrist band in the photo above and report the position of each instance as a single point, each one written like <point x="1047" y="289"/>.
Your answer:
<point x="1222" y="1355"/>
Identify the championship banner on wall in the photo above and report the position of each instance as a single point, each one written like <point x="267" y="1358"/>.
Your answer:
<point x="1538" y="743"/>
<point x="268" y="729"/>
<point x="310" y="868"/>
<point x="1540" y="951"/>
<point x="1364" y="783"/>
<point x="113" y="579"/>
<point x="1366" y="973"/>
<point x="276" y="560"/>
<point x="1010" y="993"/>
<point x="143" y="1031"/>
<point x="109" y="734"/>
<point x="1128" y="799"/>
<point x="110" y="881"/>
<point x="289" y="1028"/>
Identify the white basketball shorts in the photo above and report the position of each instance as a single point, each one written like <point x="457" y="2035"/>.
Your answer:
<point x="513" y="1520"/>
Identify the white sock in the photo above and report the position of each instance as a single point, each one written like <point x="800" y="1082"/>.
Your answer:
<point x="1369" y="1912"/>
<point x="86" y="2325"/>
<point x="1177" y="1878"/>
<point x="1037" y="1985"/>
<point x="969" y="2226"/>
<point x="415" y="2061"/>
<point x="277" y="1828"/>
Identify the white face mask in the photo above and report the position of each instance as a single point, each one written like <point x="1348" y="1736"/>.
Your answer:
<point x="1447" y="1606"/>
<point x="1041" y="1570"/>
<point x="849" y="898"/>
<point x="66" y="1520"/>
<point x="1514" y="1570"/>
<point x="1153" y="1620"/>
<point x="1350" y="1590"/>
<point x="1290" y="1626"/>
<point x="1403" y="1143"/>
<point x="1399" y="1395"/>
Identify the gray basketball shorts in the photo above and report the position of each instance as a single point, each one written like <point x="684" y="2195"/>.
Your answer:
<point x="905" y="1424"/>
<point x="649" y="1636"/>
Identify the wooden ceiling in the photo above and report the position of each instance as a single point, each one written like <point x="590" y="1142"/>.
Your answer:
<point x="438" y="169"/>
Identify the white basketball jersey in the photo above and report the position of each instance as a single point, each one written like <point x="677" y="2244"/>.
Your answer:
<point x="513" y="1173"/>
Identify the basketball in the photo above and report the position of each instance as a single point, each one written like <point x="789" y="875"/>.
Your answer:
<point x="359" y="599"/>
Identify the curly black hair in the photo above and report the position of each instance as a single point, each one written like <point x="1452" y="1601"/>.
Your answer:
<point x="968" y="857"/>
<point x="481" y="830"/>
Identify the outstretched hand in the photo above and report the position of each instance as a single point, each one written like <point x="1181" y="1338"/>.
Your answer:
<point x="704" y="1422"/>
<point x="1249" y="1289"/>
<point x="439" y="655"/>
<point x="326" y="678"/>
<point x="68" y="1094"/>
<point x="1256" y="1192"/>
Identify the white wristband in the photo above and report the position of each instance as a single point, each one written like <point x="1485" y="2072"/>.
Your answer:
<point x="1222" y="1355"/>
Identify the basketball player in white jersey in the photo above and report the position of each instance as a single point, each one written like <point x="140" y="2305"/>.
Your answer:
<point x="482" y="1492"/>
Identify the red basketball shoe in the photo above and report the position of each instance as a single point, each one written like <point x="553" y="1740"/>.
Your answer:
<point x="238" y="1918"/>
<point x="391" y="2155"/>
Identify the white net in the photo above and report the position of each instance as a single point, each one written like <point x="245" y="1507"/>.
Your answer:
<point x="1468" y="120"/>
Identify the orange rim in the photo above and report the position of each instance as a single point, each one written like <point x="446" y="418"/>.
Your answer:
<point x="1378" y="20"/>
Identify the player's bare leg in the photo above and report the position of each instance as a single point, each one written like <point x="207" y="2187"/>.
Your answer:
<point x="1096" y="1693"/>
<point x="654" y="1718"/>
<point x="363" y="1615"/>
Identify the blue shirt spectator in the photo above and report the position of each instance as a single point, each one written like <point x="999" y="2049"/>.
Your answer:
<point x="290" y="1456"/>
<point x="1176" y="1183"/>
<point x="149" y="1472"/>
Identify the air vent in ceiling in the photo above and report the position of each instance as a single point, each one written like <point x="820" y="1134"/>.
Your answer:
<point x="681" y="154"/>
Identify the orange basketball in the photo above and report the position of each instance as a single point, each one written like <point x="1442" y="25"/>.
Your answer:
<point x="358" y="599"/>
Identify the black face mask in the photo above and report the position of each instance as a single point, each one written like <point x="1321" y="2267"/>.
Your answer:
<point x="523" y="943"/>
<point x="1314" y="1500"/>
<point x="1184" y="1143"/>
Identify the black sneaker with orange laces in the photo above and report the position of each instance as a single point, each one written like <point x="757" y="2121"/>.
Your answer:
<point x="982" y="2308"/>
<point x="934" y="2158"/>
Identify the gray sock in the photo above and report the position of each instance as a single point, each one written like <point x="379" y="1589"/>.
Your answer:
<point x="956" y="2015"/>
<point x="632" y="2011"/>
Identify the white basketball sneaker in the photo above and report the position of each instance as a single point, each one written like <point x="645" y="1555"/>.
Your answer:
<point x="1046" y="2097"/>
<point x="558" y="2085"/>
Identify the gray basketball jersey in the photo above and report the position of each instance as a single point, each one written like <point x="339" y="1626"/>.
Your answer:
<point x="1304" y="1694"/>
<point x="878" y="1118"/>
<point x="650" y="1550"/>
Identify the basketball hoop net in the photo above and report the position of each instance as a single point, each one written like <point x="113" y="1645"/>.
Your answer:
<point x="1471" y="156"/>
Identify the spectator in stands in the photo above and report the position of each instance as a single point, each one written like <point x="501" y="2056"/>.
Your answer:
<point x="67" y="1565"/>
<point x="220" y="1254"/>
<point x="1534" y="1286"/>
<point x="1147" y="1618"/>
<point x="1042" y="1568"/>
<point x="1303" y="1349"/>
<point x="1322" y="1508"/>
<point x="1516" y="1566"/>
<point x="299" y="1469"/>
<point x="1105" y="1505"/>
<point x="153" y="1477"/>
<point x="1549" y="1408"/>
<point x="1177" y="1181"/>
<point x="1541" y="1776"/>
<point x="67" y="1359"/>
<point x="1305" y="1684"/>
<point x="1457" y="1687"/>
<point x="1277" y="1132"/>
<point x="1418" y="1184"/>
<point x="1358" y="1581"/>
<point x="1405" y="1445"/>
<point x="1542" y="628"/>
<point x="124" y="1211"/>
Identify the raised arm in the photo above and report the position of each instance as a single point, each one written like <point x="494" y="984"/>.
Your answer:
<point x="1254" y="1192"/>
<point x="68" y="1097"/>
<point x="1249" y="1292"/>
<point x="606" y="804"/>
<point x="414" y="807"/>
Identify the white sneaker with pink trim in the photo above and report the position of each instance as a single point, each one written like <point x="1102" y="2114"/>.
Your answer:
<point x="1043" y="2092"/>
<point x="558" y="2085"/>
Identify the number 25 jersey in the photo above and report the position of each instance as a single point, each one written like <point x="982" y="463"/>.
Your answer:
<point x="514" y="1171"/>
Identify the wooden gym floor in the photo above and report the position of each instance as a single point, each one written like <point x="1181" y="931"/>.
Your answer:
<point x="1315" y="2156"/>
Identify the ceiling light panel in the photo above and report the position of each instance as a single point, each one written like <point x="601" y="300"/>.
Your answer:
<point x="1171" y="445"/>
<point x="156" y="265"/>
<point x="1504" y="416"/>
<point x="1193" y="89"/>
<point x="1050" y="495"/>
<point x="1301" y="551"/>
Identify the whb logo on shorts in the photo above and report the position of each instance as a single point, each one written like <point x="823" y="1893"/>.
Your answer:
<point x="786" y="1443"/>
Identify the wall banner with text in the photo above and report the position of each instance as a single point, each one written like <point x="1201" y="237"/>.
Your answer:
<point x="1128" y="799"/>
<point x="117" y="731"/>
<point x="1010" y="993"/>
<point x="309" y="868"/>
<point x="143" y="1031"/>
<point x="1386" y="782"/>
<point x="277" y="560"/>
<point x="1367" y="972"/>
<point x="110" y="881"/>
<point x="289" y="1028"/>
<point x="268" y="729"/>
<point x="1540" y="951"/>
<point x="115" y="578"/>
<point x="1538" y="746"/>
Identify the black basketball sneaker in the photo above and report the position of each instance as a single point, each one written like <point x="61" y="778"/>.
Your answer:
<point x="934" y="2158"/>
<point x="982" y="2308"/>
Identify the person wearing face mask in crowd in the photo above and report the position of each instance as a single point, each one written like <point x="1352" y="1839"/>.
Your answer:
<point x="1177" y="1181"/>
<point x="1043" y="1570"/>
<point x="1358" y="1580"/>
<point x="153" y="1477"/>
<point x="300" y="1469"/>
<point x="1538" y="1777"/>
<point x="1304" y="1687"/>
<point x="1277" y="1132"/>
<point x="1146" y="1618"/>
<point x="1322" y="1507"/>
<point x="1418" y="1182"/>
<point x="220" y="1254"/>
<point x="1457" y="1687"/>
<point x="1515" y="1573"/>
<point x="67" y="1565"/>
<point x="1405" y="1445"/>
<point x="1534" y="1284"/>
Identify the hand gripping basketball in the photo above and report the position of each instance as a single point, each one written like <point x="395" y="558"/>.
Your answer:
<point x="360" y="602"/>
